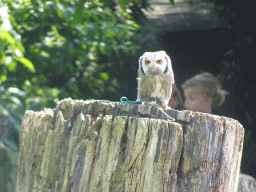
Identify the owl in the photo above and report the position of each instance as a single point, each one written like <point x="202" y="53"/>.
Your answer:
<point x="155" y="78"/>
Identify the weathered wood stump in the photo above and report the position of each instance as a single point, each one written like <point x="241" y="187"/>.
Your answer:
<point x="110" y="146"/>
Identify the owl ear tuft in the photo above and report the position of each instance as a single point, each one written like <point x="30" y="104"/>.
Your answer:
<point x="170" y="71"/>
<point x="140" y="65"/>
<point x="168" y="61"/>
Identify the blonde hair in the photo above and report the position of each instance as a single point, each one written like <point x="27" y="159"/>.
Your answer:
<point x="209" y="86"/>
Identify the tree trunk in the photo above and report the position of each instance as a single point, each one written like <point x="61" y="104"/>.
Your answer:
<point x="110" y="146"/>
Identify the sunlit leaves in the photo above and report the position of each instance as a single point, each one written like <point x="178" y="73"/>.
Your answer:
<point x="59" y="9"/>
<point x="14" y="44"/>
<point x="79" y="12"/>
<point x="27" y="63"/>
<point x="12" y="66"/>
<point x="122" y="3"/>
<point x="12" y="53"/>
<point x="73" y="44"/>
<point x="104" y="76"/>
<point x="82" y="49"/>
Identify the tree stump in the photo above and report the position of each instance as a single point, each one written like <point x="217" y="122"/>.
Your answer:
<point x="99" y="145"/>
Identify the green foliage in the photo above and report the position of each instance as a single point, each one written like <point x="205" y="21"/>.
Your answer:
<point x="11" y="105"/>
<point x="57" y="49"/>
<point x="79" y="49"/>
<point x="71" y="47"/>
<point x="51" y="50"/>
<point x="12" y="53"/>
<point x="122" y="3"/>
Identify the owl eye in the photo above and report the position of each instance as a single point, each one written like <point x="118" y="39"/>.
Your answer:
<point x="147" y="62"/>
<point x="159" y="61"/>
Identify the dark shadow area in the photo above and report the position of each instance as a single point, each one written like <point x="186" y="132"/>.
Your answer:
<point x="195" y="51"/>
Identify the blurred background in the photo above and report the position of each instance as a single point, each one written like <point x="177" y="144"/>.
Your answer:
<point x="89" y="49"/>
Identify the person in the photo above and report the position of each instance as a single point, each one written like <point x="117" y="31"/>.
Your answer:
<point x="203" y="93"/>
<point x="176" y="101"/>
<point x="246" y="183"/>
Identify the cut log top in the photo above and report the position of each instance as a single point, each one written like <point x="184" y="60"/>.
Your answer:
<point x="99" y="145"/>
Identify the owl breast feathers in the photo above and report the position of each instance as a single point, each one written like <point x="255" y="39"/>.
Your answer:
<point x="155" y="78"/>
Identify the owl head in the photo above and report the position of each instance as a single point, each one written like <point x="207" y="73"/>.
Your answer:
<point x="155" y="63"/>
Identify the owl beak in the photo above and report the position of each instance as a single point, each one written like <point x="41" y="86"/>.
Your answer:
<point x="152" y="69"/>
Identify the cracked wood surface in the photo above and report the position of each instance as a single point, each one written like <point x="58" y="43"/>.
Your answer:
<point x="99" y="145"/>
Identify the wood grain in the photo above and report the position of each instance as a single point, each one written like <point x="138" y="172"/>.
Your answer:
<point x="98" y="145"/>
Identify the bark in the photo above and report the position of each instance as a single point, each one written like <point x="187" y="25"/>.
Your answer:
<point x="110" y="146"/>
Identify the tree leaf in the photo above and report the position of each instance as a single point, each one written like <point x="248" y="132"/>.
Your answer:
<point x="122" y="3"/>
<point x="104" y="76"/>
<point x="58" y="9"/>
<point x="27" y="63"/>
<point x="78" y="12"/>
<point x="5" y="35"/>
<point x="8" y="37"/>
